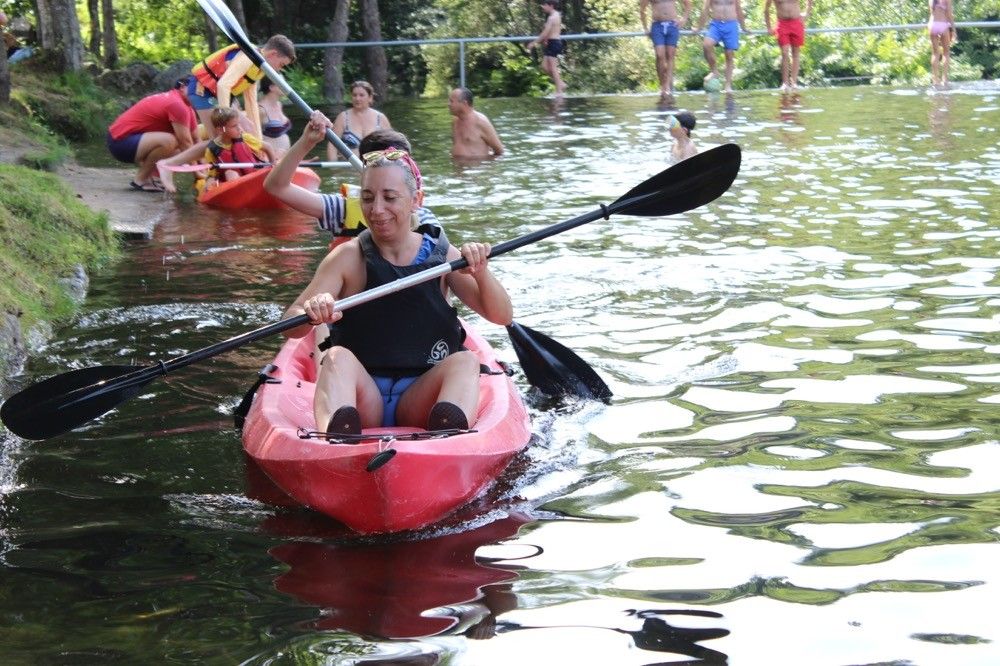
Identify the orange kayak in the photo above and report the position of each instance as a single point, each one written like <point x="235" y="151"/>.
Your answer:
<point x="248" y="191"/>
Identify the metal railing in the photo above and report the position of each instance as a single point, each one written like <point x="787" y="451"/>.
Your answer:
<point x="462" y="41"/>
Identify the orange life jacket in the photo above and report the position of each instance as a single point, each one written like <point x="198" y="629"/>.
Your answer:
<point x="210" y="70"/>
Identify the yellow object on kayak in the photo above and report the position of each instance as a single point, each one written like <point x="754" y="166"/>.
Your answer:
<point x="353" y="219"/>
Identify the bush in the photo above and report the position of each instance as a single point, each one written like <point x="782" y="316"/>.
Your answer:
<point x="70" y="105"/>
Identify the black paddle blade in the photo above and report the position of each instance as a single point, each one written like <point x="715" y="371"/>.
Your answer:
<point x="59" y="404"/>
<point x="553" y="368"/>
<point x="685" y="186"/>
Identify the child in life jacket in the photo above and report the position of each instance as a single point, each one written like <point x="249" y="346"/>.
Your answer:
<point x="231" y="145"/>
<point x="229" y="73"/>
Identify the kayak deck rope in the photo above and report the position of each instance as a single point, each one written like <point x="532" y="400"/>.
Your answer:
<point x="381" y="437"/>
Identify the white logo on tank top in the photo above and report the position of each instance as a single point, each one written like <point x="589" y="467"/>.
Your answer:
<point x="438" y="352"/>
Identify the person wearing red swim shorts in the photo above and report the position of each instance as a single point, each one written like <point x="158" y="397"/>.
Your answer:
<point x="791" y="34"/>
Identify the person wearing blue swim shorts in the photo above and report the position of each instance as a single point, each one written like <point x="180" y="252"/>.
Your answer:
<point x="665" y="32"/>
<point x="549" y="39"/>
<point x="727" y="23"/>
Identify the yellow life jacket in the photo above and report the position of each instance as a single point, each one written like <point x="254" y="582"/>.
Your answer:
<point x="354" y="221"/>
<point x="210" y="70"/>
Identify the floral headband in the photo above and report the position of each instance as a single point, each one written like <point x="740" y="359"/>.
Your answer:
<point x="393" y="154"/>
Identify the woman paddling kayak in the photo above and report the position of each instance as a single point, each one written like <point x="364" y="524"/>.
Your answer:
<point x="399" y="359"/>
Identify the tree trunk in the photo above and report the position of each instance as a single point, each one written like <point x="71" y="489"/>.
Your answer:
<point x="46" y="33"/>
<point x="375" y="61"/>
<point x="110" y="36"/>
<point x="576" y="21"/>
<point x="94" y="11"/>
<point x="333" y="57"/>
<point x="211" y="36"/>
<point x="4" y="78"/>
<point x="59" y="32"/>
<point x="241" y="16"/>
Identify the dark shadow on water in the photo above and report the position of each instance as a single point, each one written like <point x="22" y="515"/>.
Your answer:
<point x="402" y="589"/>
<point x="658" y="635"/>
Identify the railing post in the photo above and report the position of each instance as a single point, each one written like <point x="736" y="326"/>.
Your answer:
<point x="461" y="63"/>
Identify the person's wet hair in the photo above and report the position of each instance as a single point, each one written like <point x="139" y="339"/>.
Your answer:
<point x="687" y="120"/>
<point x="282" y="45"/>
<point x="383" y="139"/>
<point x="223" y="115"/>
<point x="465" y="95"/>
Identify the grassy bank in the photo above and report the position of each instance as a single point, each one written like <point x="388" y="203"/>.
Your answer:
<point x="45" y="231"/>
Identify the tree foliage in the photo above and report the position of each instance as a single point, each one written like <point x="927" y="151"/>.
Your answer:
<point x="162" y="31"/>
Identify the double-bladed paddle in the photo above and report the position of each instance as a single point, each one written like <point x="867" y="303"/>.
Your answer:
<point x="549" y="366"/>
<point x="66" y="401"/>
<point x="188" y="168"/>
<point x="223" y="17"/>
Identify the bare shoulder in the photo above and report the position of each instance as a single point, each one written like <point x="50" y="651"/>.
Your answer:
<point x="345" y="256"/>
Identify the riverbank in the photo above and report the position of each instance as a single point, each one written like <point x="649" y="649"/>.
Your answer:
<point x="58" y="219"/>
<point x="130" y="213"/>
<point x="49" y="240"/>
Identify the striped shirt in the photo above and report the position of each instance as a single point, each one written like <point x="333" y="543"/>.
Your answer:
<point x="335" y="208"/>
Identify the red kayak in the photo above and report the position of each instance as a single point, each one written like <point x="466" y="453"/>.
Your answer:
<point x="248" y="191"/>
<point x="423" y="476"/>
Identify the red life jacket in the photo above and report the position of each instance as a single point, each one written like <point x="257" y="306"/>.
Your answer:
<point x="238" y="151"/>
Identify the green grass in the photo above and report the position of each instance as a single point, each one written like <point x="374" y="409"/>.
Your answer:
<point x="44" y="232"/>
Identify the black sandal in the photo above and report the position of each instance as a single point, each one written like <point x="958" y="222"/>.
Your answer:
<point x="447" y="416"/>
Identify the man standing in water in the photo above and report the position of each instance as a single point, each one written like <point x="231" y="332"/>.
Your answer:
<point x="791" y="34"/>
<point x="472" y="133"/>
<point x="727" y="22"/>
<point x="665" y="32"/>
<point x="552" y="45"/>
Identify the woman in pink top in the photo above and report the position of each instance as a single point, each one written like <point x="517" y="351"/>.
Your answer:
<point x="941" y="26"/>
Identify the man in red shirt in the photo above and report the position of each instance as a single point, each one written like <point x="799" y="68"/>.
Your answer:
<point x="154" y="128"/>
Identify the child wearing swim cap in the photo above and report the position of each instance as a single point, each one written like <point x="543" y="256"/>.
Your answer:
<point x="680" y="125"/>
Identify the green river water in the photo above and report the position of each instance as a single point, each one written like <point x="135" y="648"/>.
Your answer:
<point x="798" y="467"/>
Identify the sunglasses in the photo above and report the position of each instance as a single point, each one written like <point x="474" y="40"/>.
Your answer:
<point x="393" y="154"/>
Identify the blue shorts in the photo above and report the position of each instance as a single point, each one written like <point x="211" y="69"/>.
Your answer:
<point x="726" y="33"/>
<point x="553" y="48"/>
<point x="664" y="33"/>
<point x="200" y="102"/>
<point x="391" y="389"/>
<point x="125" y="148"/>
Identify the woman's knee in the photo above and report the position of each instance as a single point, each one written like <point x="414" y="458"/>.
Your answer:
<point x="463" y="362"/>
<point x="339" y="358"/>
